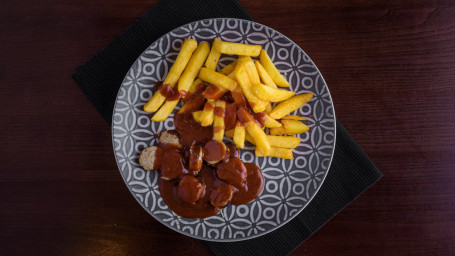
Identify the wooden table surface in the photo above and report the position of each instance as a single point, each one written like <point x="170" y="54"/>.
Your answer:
<point x="390" y="68"/>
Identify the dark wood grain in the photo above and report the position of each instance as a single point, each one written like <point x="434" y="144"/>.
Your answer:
<point x="390" y="67"/>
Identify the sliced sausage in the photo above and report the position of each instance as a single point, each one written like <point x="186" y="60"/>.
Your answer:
<point x="190" y="189"/>
<point x="227" y="155"/>
<point x="150" y="158"/>
<point x="195" y="158"/>
<point x="170" y="139"/>
<point x="172" y="165"/>
<point x="221" y="195"/>
<point x="214" y="151"/>
<point x="233" y="150"/>
<point x="233" y="172"/>
<point x="252" y="187"/>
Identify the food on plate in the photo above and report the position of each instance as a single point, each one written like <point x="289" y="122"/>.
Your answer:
<point x="271" y="94"/>
<point x="285" y="153"/>
<point x="217" y="79"/>
<point x="188" y="46"/>
<point x="175" y="168"/>
<point x="198" y="176"/>
<point x="273" y="72"/>
<point x="250" y="69"/>
<point x="268" y="108"/>
<point x="288" y="142"/>
<point x="193" y="67"/>
<point x="264" y="76"/>
<point x="283" y="141"/>
<point x="214" y="56"/>
<point x="214" y="98"/>
<point x="238" y="49"/>
<point x="294" y="117"/>
<point x="289" y="105"/>
<point x="233" y="171"/>
<point x="150" y="158"/>
<point x="195" y="158"/>
<point x="194" y="98"/>
<point x="214" y="152"/>
<point x="170" y="139"/>
<point x="254" y="184"/>
<point x="242" y="77"/>
<point x="229" y="68"/>
<point x="239" y="135"/>
<point x="221" y="196"/>
<point x="271" y="123"/>
<point x="198" y="173"/>
<point x="259" y="136"/>
<point x="289" y="127"/>
<point x="197" y="115"/>
<point x="206" y="117"/>
<point x="185" y="81"/>
<point x="214" y="92"/>
<point x="218" y="120"/>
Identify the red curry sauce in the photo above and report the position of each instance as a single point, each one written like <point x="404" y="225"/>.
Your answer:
<point x="197" y="193"/>
<point x="202" y="193"/>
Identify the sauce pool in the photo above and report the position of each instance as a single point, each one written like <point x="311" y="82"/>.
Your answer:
<point x="194" y="198"/>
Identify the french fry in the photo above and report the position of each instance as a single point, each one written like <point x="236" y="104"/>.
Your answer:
<point x="238" y="49"/>
<point x="289" y="127"/>
<point x="216" y="78"/>
<point x="229" y="133"/>
<point x="193" y="66"/>
<point x="192" y="89"/>
<point x="275" y="141"/>
<point x="249" y="138"/>
<point x="268" y="108"/>
<point x="289" y="105"/>
<point x="262" y="143"/>
<point x="294" y="117"/>
<point x="194" y="85"/>
<point x="185" y="81"/>
<point x="256" y="80"/>
<point x="218" y="120"/>
<point x="207" y="113"/>
<point x="197" y="116"/>
<point x="232" y="76"/>
<point x="271" y="123"/>
<point x="238" y="97"/>
<point x="165" y="111"/>
<point x="268" y="65"/>
<point x="285" y="153"/>
<point x="214" y="92"/>
<point x="283" y="141"/>
<point x="188" y="46"/>
<point x="250" y="69"/>
<point x="241" y="76"/>
<point x="271" y="94"/>
<point x="239" y="135"/>
<point x="229" y="68"/>
<point x="214" y="56"/>
<point x="265" y="77"/>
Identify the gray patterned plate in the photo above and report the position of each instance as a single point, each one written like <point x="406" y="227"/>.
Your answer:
<point x="289" y="184"/>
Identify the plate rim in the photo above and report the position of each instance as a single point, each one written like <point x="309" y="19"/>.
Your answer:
<point x="273" y="228"/>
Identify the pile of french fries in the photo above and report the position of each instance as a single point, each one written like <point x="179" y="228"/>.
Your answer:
<point x="256" y="80"/>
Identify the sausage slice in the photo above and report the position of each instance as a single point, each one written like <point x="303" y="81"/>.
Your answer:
<point x="214" y="151"/>
<point x="221" y="195"/>
<point x="170" y="139"/>
<point x="195" y="158"/>
<point x="150" y="158"/>
<point x="190" y="189"/>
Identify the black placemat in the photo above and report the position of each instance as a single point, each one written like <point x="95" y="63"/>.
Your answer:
<point x="351" y="171"/>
